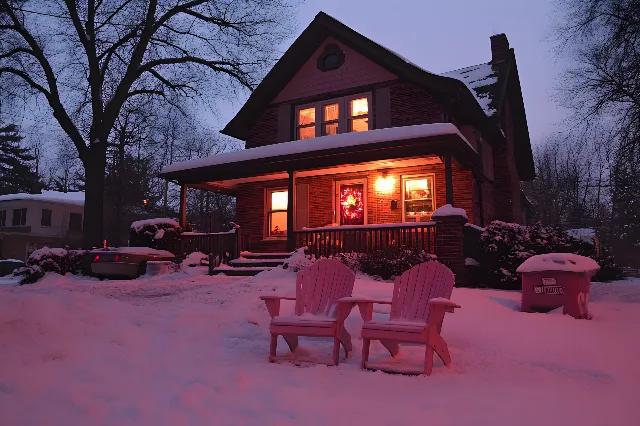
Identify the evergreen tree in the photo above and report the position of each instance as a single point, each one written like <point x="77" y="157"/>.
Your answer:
<point x="15" y="172"/>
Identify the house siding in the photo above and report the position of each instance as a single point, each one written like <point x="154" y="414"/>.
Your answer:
<point x="356" y="71"/>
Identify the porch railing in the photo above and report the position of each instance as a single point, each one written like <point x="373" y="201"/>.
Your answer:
<point x="332" y="240"/>
<point x="226" y="244"/>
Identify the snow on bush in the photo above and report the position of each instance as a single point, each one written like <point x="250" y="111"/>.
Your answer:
<point x="58" y="260"/>
<point x="505" y="246"/>
<point x="158" y="233"/>
<point x="391" y="261"/>
<point x="196" y="258"/>
<point x="299" y="261"/>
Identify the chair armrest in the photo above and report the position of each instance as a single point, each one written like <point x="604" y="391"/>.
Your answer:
<point x="346" y="304"/>
<point x="275" y="296"/>
<point x="273" y="303"/>
<point x="443" y="302"/>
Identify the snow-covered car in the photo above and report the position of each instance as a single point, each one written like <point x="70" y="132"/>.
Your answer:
<point x="7" y="266"/>
<point x="125" y="261"/>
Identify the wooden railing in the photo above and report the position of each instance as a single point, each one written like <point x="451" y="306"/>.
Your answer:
<point x="331" y="240"/>
<point x="226" y="244"/>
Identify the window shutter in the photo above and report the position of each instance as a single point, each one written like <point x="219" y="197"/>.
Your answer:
<point x="284" y="123"/>
<point x="382" y="108"/>
<point x="302" y="206"/>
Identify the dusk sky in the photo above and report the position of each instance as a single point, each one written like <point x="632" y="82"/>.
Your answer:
<point x="445" y="35"/>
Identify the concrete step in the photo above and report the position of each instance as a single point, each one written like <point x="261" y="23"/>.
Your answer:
<point x="250" y="263"/>
<point x="257" y="255"/>
<point x="239" y="272"/>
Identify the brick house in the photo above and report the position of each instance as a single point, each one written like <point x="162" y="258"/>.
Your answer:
<point x="344" y="133"/>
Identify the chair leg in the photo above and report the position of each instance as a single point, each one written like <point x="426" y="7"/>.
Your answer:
<point x="345" y="339"/>
<point x="365" y="353"/>
<point x="292" y="341"/>
<point x="392" y="346"/>
<point x="428" y="360"/>
<point x="336" y="351"/>
<point x="274" y="345"/>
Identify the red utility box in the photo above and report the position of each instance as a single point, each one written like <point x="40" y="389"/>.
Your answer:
<point x="550" y="281"/>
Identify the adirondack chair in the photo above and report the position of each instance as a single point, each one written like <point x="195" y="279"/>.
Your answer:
<point x="420" y="300"/>
<point x="317" y="313"/>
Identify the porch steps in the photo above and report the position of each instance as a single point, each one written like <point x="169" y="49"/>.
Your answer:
<point x="252" y="263"/>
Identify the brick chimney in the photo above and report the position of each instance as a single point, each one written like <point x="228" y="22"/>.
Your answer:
<point x="499" y="48"/>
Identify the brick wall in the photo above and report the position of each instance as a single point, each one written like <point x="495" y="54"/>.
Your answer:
<point x="412" y="105"/>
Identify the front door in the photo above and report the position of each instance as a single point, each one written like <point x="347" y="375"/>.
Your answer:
<point x="351" y="202"/>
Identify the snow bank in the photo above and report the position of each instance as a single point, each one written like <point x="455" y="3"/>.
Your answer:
<point x="567" y="262"/>
<point x="320" y="143"/>
<point x="195" y="259"/>
<point x="73" y="198"/>
<point x="186" y="348"/>
<point x="139" y="224"/>
<point x="448" y="210"/>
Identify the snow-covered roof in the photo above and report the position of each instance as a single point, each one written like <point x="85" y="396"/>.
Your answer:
<point x="477" y="77"/>
<point x="74" y="198"/>
<point x="139" y="224"/>
<point x="567" y="262"/>
<point x="320" y="143"/>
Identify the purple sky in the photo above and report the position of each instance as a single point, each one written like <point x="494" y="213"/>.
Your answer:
<point x="445" y="35"/>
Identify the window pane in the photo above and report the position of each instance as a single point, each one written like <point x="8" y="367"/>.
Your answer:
<point x="330" y="129"/>
<point x="278" y="224"/>
<point x="359" y="125"/>
<point x="279" y="200"/>
<point x="3" y="218"/>
<point x="45" y="220"/>
<point x="17" y="217"/>
<point x="359" y="106"/>
<point x="416" y="189"/>
<point x="75" y="222"/>
<point x="307" y="132"/>
<point x="330" y="112"/>
<point x="306" y="116"/>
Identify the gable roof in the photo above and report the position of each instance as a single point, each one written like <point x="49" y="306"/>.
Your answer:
<point x="473" y="95"/>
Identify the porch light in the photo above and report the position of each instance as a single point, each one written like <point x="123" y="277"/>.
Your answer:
<point x="384" y="184"/>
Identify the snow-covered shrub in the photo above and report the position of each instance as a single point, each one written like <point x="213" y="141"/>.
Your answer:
<point x="58" y="260"/>
<point x="299" y="261"/>
<point x="504" y="246"/>
<point x="159" y="233"/>
<point x="609" y="270"/>
<point x="391" y="261"/>
<point x="195" y="259"/>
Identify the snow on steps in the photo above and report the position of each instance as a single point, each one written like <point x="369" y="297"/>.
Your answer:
<point x="250" y="264"/>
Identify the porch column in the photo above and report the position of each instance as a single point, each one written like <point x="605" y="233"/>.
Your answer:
<point x="448" y="176"/>
<point x="183" y="206"/>
<point x="291" y="238"/>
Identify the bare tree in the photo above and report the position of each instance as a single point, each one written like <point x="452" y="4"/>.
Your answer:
<point x="90" y="59"/>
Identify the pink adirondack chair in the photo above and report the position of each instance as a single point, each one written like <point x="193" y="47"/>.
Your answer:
<point x="420" y="299"/>
<point x="317" y="312"/>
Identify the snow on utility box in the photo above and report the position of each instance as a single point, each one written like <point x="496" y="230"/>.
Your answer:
<point x="554" y="280"/>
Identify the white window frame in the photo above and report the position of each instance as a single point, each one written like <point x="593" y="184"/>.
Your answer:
<point x="405" y="178"/>
<point x="268" y="211"/>
<point x="343" y="103"/>
<point x="21" y="217"/>
<point x="336" y="198"/>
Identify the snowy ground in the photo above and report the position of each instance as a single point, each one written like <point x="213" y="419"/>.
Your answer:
<point x="188" y="349"/>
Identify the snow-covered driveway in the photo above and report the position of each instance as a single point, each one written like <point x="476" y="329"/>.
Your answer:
<point x="187" y="349"/>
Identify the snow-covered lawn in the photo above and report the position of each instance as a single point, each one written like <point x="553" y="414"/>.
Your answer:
<point x="188" y="349"/>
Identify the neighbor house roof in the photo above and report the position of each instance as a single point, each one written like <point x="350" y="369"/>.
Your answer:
<point x="72" y="198"/>
<point x="473" y="95"/>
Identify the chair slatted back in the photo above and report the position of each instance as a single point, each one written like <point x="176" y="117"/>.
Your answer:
<point x="319" y="287"/>
<point x="415" y="287"/>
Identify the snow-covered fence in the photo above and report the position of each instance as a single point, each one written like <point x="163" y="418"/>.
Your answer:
<point x="225" y="244"/>
<point x="331" y="240"/>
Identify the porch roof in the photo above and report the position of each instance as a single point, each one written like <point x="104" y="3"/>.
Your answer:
<point x="327" y="151"/>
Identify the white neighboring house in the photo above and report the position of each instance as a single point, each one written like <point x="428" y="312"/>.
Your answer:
<point x="31" y="221"/>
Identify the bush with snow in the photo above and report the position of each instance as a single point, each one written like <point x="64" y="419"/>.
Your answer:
<point x="505" y="246"/>
<point x="299" y="260"/>
<point x="58" y="260"/>
<point x="159" y="233"/>
<point x="391" y="261"/>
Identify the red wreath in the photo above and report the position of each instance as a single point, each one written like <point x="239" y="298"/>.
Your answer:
<point x="351" y="201"/>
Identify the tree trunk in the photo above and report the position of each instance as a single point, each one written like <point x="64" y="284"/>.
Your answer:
<point x="94" y="165"/>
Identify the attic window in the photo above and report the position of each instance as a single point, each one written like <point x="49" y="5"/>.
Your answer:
<point x="331" y="59"/>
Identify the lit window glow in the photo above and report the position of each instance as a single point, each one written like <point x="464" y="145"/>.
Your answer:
<point x="359" y="106"/>
<point x="279" y="200"/>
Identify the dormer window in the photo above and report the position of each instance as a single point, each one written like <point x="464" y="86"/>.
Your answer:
<point x="341" y="115"/>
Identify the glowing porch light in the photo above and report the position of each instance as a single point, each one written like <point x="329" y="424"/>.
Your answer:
<point x="384" y="184"/>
